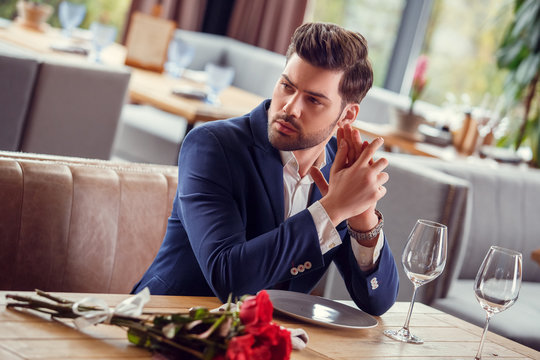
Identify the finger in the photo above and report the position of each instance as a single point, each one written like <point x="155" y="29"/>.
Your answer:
<point x="339" y="134"/>
<point x="340" y="161"/>
<point x="351" y="154"/>
<point x="382" y="178"/>
<point x="369" y="151"/>
<point x="380" y="165"/>
<point x="358" y="144"/>
<point x="319" y="180"/>
<point x="381" y="192"/>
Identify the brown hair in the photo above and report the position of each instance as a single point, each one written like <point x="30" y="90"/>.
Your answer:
<point x="332" y="47"/>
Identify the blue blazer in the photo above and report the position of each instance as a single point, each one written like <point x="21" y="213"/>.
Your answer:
<point x="227" y="233"/>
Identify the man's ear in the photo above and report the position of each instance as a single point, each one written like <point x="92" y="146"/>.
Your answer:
<point x="349" y="114"/>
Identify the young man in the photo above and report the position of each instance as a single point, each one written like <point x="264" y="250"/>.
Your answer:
<point x="247" y="215"/>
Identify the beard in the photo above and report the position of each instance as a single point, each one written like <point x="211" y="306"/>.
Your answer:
<point x="299" y="140"/>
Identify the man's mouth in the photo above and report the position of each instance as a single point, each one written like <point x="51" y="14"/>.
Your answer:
<point x="284" y="127"/>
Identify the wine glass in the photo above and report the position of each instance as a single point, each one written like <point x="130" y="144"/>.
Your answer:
<point x="70" y="15"/>
<point x="102" y="36"/>
<point x="219" y="77"/>
<point x="179" y="56"/>
<point x="423" y="260"/>
<point x="497" y="284"/>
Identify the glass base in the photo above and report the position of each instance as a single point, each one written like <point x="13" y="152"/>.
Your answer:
<point x="403" y="335"/>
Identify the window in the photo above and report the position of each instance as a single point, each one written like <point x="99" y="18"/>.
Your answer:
<point x="377" y="20"/>
<point x="460" y="38"/>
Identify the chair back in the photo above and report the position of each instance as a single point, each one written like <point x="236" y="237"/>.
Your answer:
<point x="412" y="194"/>
<point x="17" y="75"/>
<point x="75" y="110"/>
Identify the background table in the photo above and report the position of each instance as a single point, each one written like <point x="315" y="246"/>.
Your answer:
<point x="24" y="336"/>
<point x="145" y="86"/>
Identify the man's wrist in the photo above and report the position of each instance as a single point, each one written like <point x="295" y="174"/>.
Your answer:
<point x="367" y="238"/>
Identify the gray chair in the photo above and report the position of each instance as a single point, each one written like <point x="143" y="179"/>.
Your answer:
<point x="75" y="110"/>
<point x="418" y="194"/>
<point x="17" y="75"/>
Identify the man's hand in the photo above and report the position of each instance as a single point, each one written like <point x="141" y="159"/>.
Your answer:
<point x="356" y="181"/>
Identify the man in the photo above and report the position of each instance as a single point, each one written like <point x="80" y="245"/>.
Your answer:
<point x="247" y="216"/>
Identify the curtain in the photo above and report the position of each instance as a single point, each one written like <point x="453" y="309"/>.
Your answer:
<point x="266" y="23"/>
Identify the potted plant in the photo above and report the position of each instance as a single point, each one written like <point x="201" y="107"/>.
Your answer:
<point x="406" y="120"/>
<point x="34" y="14"/>
<point x="519" y="53"/>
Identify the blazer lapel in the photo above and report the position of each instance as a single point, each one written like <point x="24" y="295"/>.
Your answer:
<point x="268" y="161"/>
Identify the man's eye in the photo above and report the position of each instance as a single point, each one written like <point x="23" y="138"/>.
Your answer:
<point x="286" y="86"/>
<point x="314" y="100"/>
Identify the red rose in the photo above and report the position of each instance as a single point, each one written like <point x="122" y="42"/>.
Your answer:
<point x="262" y="353"/>
<point x="256" y="310"/>
<point x="240" y="348"/>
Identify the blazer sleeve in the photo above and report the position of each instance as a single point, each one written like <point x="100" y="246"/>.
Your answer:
<point x="214" y="220"/>
<point x="374" y="291"/>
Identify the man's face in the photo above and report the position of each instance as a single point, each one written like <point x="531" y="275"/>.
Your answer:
<point x="306" y="106"/>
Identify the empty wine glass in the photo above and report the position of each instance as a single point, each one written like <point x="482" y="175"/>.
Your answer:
<point x="179" y="56"/>
<point x="70" y="15"/>
<point x="423" y="259"/>
<point x="219" y="77"/>
<point x="497" y="284"/>
<point x="102" y="36"/>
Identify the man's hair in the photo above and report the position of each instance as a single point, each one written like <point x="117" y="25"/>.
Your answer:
<point x="332" y="47"/>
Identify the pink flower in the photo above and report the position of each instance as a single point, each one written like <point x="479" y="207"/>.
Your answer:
<point x="419" y="79"/>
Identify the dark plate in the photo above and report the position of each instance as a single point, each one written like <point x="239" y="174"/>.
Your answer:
<point x="318" y="310"/>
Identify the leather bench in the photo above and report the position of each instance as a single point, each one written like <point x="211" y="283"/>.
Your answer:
<point x="80" y="225"/>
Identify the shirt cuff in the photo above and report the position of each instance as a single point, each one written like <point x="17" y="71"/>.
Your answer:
<point x="367" y="256"/>
<point x="328" y="235"/>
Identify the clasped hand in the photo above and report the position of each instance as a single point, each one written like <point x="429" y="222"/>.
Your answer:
<point x="356" y="181"/>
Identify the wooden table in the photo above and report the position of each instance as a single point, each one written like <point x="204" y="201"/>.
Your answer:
<point x="145" y="86"/>
<point x="393" y="138"/>
<point x="25" y="336"/>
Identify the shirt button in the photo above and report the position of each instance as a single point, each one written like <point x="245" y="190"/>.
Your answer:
<point x="307" y="265"/>
<point x="331" y="245"/>
<point x="294" y="271"/>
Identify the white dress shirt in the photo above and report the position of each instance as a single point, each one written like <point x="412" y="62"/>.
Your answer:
<point x="297" y="191"/>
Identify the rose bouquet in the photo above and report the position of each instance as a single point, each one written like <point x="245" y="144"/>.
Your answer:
<point x="200" y="333"/>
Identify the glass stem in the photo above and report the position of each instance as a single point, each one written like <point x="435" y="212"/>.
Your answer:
<point x="408" y="319"/>
<point x="484" y="333"/>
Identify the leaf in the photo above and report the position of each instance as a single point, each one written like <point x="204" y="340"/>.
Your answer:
<point x="526" y="17"/>
<point x="198" y="312"/>
<point x="528" y="69"/>
<point x="511" y="55"/>
<point x="134" y="337"/>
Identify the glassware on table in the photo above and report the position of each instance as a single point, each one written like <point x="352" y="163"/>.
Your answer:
<point x="71" y="16"/>
<point x="179" y="56"/>
<point x="219" y="78"/>
<point x="102" y="36"/>
<point x="423" y="259"/>
<point x="497" y="284"/>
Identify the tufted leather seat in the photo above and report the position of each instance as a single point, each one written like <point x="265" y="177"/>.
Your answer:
<point x="81" y="225"/>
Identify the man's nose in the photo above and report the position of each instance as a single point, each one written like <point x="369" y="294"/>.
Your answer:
<point x="293" y="106"/>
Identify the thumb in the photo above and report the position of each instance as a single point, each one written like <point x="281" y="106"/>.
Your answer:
<point x="319" y="180"/>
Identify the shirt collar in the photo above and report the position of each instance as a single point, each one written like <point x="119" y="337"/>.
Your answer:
<point x="289" y="160"/>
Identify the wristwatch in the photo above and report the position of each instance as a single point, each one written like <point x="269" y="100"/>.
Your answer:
<point x="369" y="235"/>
